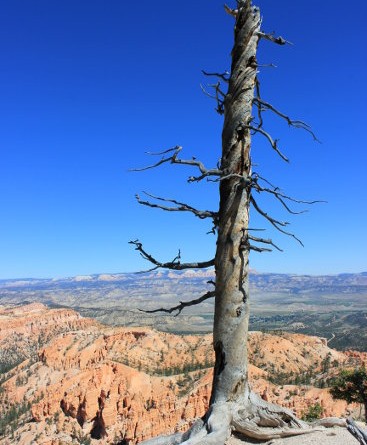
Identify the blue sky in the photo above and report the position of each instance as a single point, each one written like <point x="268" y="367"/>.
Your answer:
<point x="87" y="87"/>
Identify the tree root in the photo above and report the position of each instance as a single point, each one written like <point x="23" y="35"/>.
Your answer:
<point x="213" y="429"/>
<point x="255" y="419"/>
<point x="262" y="420"/>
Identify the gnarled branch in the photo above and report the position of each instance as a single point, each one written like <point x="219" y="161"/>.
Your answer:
<point x="259" y="249"/>
<point x="259" y="109"/>
<point x="224" y="76"/>
<point x="173" y="159"/>
<point x="182" y="305"/>
<point x="180" y="206"/>
<point x="219" y="96"/>
<point x="175" y="264"/>
<point x="274" y="222"/>
<point x="264" y="241"/>
<point x="245" y="243"/>
<point x="243" y="180"/>
<point x="278" y="40"/>
<point x="272" y="142"/>
<point x="291" y="122"/>
<point x="281" y="197"/>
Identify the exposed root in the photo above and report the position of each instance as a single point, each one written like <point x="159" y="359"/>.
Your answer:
<point x="329" y="422"/>
<point x="262" y="420"/>
<point x="255" y="419"/>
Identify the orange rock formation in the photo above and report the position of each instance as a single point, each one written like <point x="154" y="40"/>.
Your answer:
<point x="129" y="384"/>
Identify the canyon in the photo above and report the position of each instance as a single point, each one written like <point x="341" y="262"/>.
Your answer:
<point x="69" y="379"/>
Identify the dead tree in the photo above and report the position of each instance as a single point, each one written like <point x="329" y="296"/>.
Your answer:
<point x="233" y="406"/>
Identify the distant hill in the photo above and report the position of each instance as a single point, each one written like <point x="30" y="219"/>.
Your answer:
<point x="274" y="282"/>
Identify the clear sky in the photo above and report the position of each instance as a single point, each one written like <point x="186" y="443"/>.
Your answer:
<point x="88" y="86"/>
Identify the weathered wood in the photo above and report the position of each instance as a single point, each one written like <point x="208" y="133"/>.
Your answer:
<point x="357" y="432"/>
<point x="231" y="314"/>
<point x="329" y="422"/>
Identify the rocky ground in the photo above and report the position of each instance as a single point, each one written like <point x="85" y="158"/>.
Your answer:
<point x="332" y="436"/>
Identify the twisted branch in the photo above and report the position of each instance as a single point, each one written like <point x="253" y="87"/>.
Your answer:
<point x="181" y="206"/>
<point x="293" y="123"/>
<point x="219" y="96"/>
<point x="175" y="264"/>
<point x="281" y="197"/>
<point x="173" y="159"/>
<point x="274" y="222"/>
<point x="245" y="244"/>
<point x="278" y="40"/>
<point x="224" y="76"/>
<point x="259" y="249"/>
<point x="182" y="305"/>
<point x="259" y="109"/>
<point x="264" y="241"/>
<point x="244" y="180"/>
<point x="272" y="142"/>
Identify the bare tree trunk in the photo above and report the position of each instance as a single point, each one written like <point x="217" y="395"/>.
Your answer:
<point x="232" y="256"/>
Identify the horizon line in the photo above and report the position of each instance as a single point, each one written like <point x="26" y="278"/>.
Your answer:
<point x="98" y="274"/>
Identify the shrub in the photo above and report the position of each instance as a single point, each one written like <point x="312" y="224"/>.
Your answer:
<point x="314" y="412"/>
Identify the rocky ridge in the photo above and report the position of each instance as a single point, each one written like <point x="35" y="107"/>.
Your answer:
<point x="24" y="329"/>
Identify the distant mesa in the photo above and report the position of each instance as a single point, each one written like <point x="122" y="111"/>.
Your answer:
<point x="83" y="278"/>
<point x="109" y="277"/>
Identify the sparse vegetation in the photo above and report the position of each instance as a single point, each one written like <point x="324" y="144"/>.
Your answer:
<point x="150" y="404"/>
<point x="6" y="366"/>
<point x="185" y="383"/>
<point x="11" y="419"/>
<point x="81" y="438"/>
<point x="314" y="412"/>
<point x="182" y="369"/>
